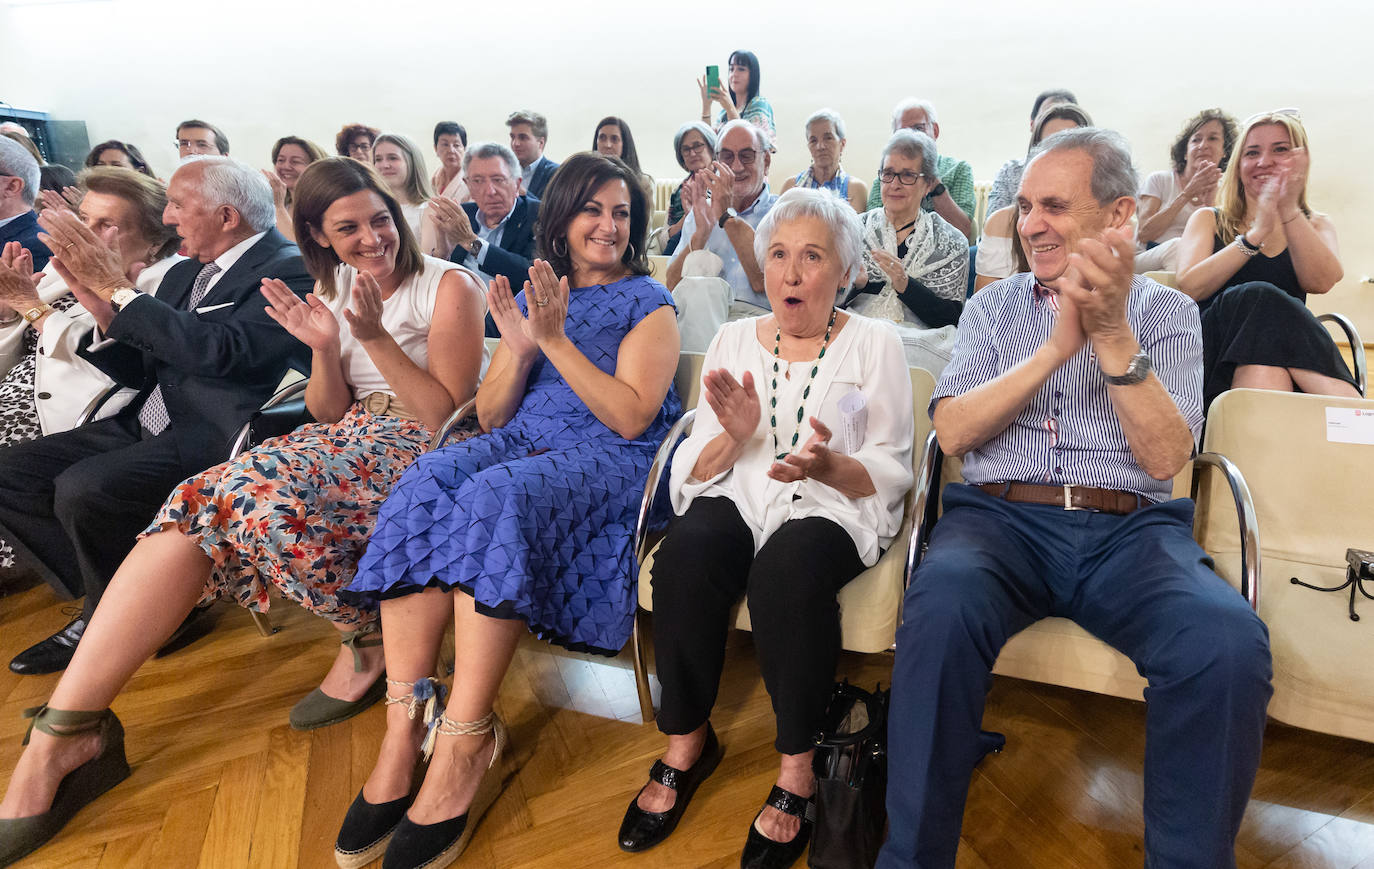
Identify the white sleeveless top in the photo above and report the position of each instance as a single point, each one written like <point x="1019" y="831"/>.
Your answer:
<point x="406" y="316"/>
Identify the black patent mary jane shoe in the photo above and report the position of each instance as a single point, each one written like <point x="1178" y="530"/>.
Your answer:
<point x="761" y="852"/>
<point x="642" y="830"/>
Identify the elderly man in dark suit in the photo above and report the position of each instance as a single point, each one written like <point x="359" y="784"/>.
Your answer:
<point x="18" y="188"/>
<point x="202" y="352"/>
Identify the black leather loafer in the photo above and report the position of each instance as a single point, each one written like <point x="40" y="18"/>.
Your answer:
<point x="53" y="654"/>
<point x="642" y="830"/>
<point x="761" y="852"/>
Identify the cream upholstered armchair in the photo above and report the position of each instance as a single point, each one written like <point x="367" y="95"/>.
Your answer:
<point x="1310" y="459"/>
<point x="1057" y="651"/>
<point x="869" y="604"/>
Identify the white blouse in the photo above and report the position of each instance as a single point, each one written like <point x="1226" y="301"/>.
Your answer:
<point x="406" y="316"/>
<point x="866" y="356"/>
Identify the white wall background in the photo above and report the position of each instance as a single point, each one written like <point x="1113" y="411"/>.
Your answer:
<point x="133" y="68"/>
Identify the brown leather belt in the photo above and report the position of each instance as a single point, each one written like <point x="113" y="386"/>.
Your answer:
<point x="385" y="404"/>
<point x="1069" y="497"/>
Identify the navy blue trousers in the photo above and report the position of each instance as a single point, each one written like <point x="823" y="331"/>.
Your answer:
<point x="1139" y="582"/>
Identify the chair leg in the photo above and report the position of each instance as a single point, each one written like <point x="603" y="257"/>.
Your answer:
<point x="641" y="664"/>
<point x="263" y="623"/>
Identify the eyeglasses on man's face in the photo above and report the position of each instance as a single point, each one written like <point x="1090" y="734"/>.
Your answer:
<point x="746" y="157"/>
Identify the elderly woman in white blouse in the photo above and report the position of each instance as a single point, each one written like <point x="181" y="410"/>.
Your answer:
<point x="774" y="501"/>
<point x="915" y="263"/>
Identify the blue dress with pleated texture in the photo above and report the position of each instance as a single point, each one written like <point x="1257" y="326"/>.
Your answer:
<point x="536" y="519"/>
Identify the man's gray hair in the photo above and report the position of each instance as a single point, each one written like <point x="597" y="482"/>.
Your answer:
<point x="487" y="150"/>
<point x="907" y="105"/>
<point x="913" y="145"/>
<point x="226" y="181"/>
<point x="837" y="214"/>
<point x="836" y="122"/>
<point x="1113" y="174"/>
<point x="757" y="133"/>
<point x="17" y="161"/>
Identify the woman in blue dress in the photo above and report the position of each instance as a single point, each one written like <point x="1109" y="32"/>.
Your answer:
<point x="531" y="523"/>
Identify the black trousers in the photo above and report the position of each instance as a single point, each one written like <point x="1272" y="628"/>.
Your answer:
<point x="73" y="503"/>
<point x="705" y="563"/>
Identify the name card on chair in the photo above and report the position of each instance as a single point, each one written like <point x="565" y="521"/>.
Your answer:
<point x="1350" y="425"/>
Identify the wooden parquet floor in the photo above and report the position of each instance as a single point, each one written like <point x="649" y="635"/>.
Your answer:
<point x="220" y="780"/>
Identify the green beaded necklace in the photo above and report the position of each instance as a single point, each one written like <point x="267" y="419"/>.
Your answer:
<point x="811" y="378"/>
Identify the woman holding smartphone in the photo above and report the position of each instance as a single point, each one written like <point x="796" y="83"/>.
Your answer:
<point x="738" y="96"/>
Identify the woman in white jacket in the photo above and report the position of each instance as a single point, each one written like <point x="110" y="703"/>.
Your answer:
<point x="46" y="387"/>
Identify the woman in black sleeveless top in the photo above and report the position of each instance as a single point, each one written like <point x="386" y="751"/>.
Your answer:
<point x="1250" y="263"/>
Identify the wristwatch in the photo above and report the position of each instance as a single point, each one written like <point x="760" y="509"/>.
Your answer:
<point x="936" y="191"/>
<point x="475" y="248"/>
<point x="122" y="297"/>
<point x="726" y="217"/>
<point x="1137" y="371"/>
<point x="32" y="314"/>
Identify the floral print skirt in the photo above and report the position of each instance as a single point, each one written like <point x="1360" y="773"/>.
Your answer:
<point x="296" y="511"/>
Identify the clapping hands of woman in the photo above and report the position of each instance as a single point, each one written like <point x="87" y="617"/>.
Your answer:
<point x="309" y="321"/>
<point x="546" y="297"/>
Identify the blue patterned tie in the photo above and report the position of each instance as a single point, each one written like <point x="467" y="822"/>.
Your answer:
<point x="153" y="414"/>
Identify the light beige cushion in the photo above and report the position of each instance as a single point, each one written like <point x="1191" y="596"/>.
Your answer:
<point x="1314" y="499"/>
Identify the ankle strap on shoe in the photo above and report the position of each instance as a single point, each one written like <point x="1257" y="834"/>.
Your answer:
<point x="449" y="727"/>
<point x="426" y="694"/>
<point x="791" y="804"/>
<point x="363" y="638"/>
<point x="45" y="719"/>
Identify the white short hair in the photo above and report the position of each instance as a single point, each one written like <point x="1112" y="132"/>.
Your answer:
<point x="836" y="122"/>
<point x="15" y="160"/>
<point x="487" y="150"/>
<point x="757" y="133"/>
<point x="834" y="212"/>
<point x="907" y="105"/>
<point x="226" y="181"/>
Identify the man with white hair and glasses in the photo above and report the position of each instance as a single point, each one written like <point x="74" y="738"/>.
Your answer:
<point x="204" y="355"/>
<point x="724" y="202"/>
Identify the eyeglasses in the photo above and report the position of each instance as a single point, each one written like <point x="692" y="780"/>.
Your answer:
<point x="692" y="149"/>
<point x="747" y="157"/>
<point x="907" y="178"/>
<point x="1289" y="112"/>
<point x="188" y="144"/>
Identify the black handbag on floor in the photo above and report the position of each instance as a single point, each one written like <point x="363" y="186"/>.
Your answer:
<point x="851" y="780"/>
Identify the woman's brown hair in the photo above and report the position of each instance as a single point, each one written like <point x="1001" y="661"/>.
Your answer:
<point x="1178" y="152"/>
<point x="352" y="131"/>
<point x="147" y="195"/>
<point x="572" y="185"/>
<point x="323" y="183"/>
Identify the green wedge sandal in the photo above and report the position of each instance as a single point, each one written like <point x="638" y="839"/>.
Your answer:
<point x="22" y="836"/>
<point x="317" y="709"/>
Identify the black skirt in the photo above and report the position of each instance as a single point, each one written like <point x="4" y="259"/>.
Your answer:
<point x="1259" y="324"/>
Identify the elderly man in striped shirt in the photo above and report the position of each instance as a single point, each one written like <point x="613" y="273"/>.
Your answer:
<point x="1074" y="396"/>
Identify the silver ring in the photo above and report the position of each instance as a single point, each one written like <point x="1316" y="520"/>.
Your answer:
<point x="542" y="303"/>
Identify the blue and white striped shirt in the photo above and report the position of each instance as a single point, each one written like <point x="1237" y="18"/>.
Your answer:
<point x="1069" y="433"/>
